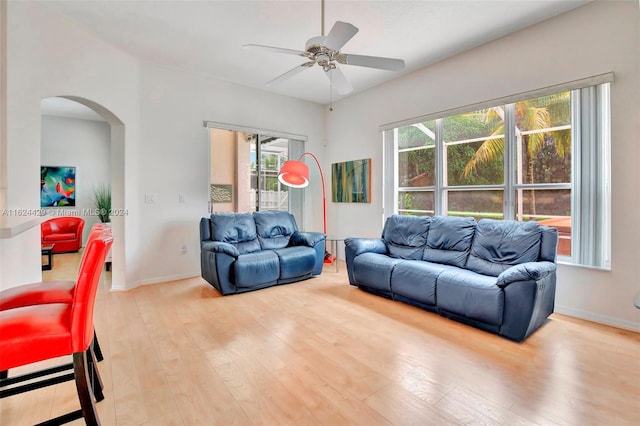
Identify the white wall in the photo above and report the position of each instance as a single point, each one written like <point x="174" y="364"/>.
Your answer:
<point x="165" y="149"/>
<point x="85" y="145"/>
<point x="596" y="38"/>
<point x="165" y="144"/>
<point x="176" y="147"/>
<point x="48" y="56"/>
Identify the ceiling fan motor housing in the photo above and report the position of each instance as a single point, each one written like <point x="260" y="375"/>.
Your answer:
<point x="320" y="54"/>
<point x="314" y="44"/>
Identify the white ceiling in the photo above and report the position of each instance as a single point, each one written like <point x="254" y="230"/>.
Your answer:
<point x="206" y="37"/>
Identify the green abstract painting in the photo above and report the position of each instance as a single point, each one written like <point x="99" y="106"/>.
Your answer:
<point x="351" y="181"/>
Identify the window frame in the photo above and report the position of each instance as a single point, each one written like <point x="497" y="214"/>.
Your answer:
<point x="591" y="129"/>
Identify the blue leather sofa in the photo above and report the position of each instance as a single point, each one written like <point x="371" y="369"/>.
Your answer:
<point x="246" y="251"/>
<point x="497" y="275"/>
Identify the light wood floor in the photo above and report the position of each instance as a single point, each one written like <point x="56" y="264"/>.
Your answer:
<point x="321" y="352"/>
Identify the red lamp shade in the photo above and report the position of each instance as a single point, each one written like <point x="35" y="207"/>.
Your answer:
<point x="294" y="173"/>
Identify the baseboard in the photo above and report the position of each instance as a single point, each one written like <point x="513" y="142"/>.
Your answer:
<point x="601" y="319"/>
<point x="157" y="280"/>
<point x="118" y="288"/>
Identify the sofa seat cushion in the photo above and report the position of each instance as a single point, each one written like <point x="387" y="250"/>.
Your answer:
<point x="373" y="270"/>
<point x="255" y="269"/>
<point x="470" y="295"/>
<point x="296" y="261"/>
<point x="449" y="240"/>
<point x="406" y="236"/>
<point x="416" y="280"/>
<point x="500" y="244"/>
<point x="59" y="236"/>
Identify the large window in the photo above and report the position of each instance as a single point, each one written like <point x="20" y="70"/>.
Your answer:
<point x="543" y="157"/>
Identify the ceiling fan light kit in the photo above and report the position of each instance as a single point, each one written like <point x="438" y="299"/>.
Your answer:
<point x="325" y="52"/>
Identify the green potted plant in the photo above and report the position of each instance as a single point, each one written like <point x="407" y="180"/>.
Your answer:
<point x="102" y="199"/>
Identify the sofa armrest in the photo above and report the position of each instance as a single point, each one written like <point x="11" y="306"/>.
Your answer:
<point x="366" y="245"/>
<point x="529" y="271"/>
<point x="219" y="247"/>
<point x="309" y="239"/>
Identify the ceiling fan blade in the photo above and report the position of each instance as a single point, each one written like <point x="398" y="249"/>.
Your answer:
<point x="339" y="81"/>
<point x="287" y="75"/>
<point x="389" y="64"/>
<point x="340" y="34"/>
<point x="275" y="49"/>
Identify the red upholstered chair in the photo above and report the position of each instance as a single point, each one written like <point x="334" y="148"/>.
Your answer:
<point x="65" y="232"/>
<point x="38" y="332"/>
<point x="48" y="291"/>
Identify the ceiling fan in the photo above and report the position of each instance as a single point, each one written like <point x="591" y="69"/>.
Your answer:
<point x="325" y="51"/>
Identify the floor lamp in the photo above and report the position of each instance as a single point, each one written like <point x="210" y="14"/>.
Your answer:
<point x="295" y="173"/>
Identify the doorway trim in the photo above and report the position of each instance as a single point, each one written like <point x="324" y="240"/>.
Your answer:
<point x="265" y="132"/>
<point x="119" y="223"/>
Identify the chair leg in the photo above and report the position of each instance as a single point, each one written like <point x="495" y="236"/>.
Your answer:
<point x="94" y="376"/>
<point x="85" y="395"/>
<point x="96" y="347"/>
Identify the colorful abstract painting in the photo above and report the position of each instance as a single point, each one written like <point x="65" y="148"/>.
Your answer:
<point x="351" y="181"/>
<point x="57" y="186"/>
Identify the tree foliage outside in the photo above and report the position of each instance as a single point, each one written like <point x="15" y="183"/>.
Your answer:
<point x="270" y="163"/>
<point x="474" y="144"/>
<point x="417" y="167"/>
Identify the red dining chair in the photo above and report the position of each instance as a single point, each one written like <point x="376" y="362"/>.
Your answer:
<point x="44" y="292"/>
<point x="35" y="333"/>
<point x="47" y="291"/>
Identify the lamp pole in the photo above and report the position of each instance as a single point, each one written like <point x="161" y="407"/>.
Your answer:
<point x="324" y="198"/>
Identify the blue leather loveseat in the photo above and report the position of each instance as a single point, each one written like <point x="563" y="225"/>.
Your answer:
<point x="246" y="251"/>
<point x="497" y="275"/>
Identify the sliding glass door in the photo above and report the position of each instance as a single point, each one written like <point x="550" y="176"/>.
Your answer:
<point x="267" y="155"/>
<point x="243" y="171"/>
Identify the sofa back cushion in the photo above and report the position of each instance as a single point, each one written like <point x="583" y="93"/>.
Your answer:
<point x="500" y="244"/>
<point x="62" y="225"/>
<point x="274" y="228"/>
<point x="237" y="229"/>
<point x="449" y="240"/>
<point x="406" y="236"/>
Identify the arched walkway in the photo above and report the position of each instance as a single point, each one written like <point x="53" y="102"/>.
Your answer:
<point x="116" y="168"/>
